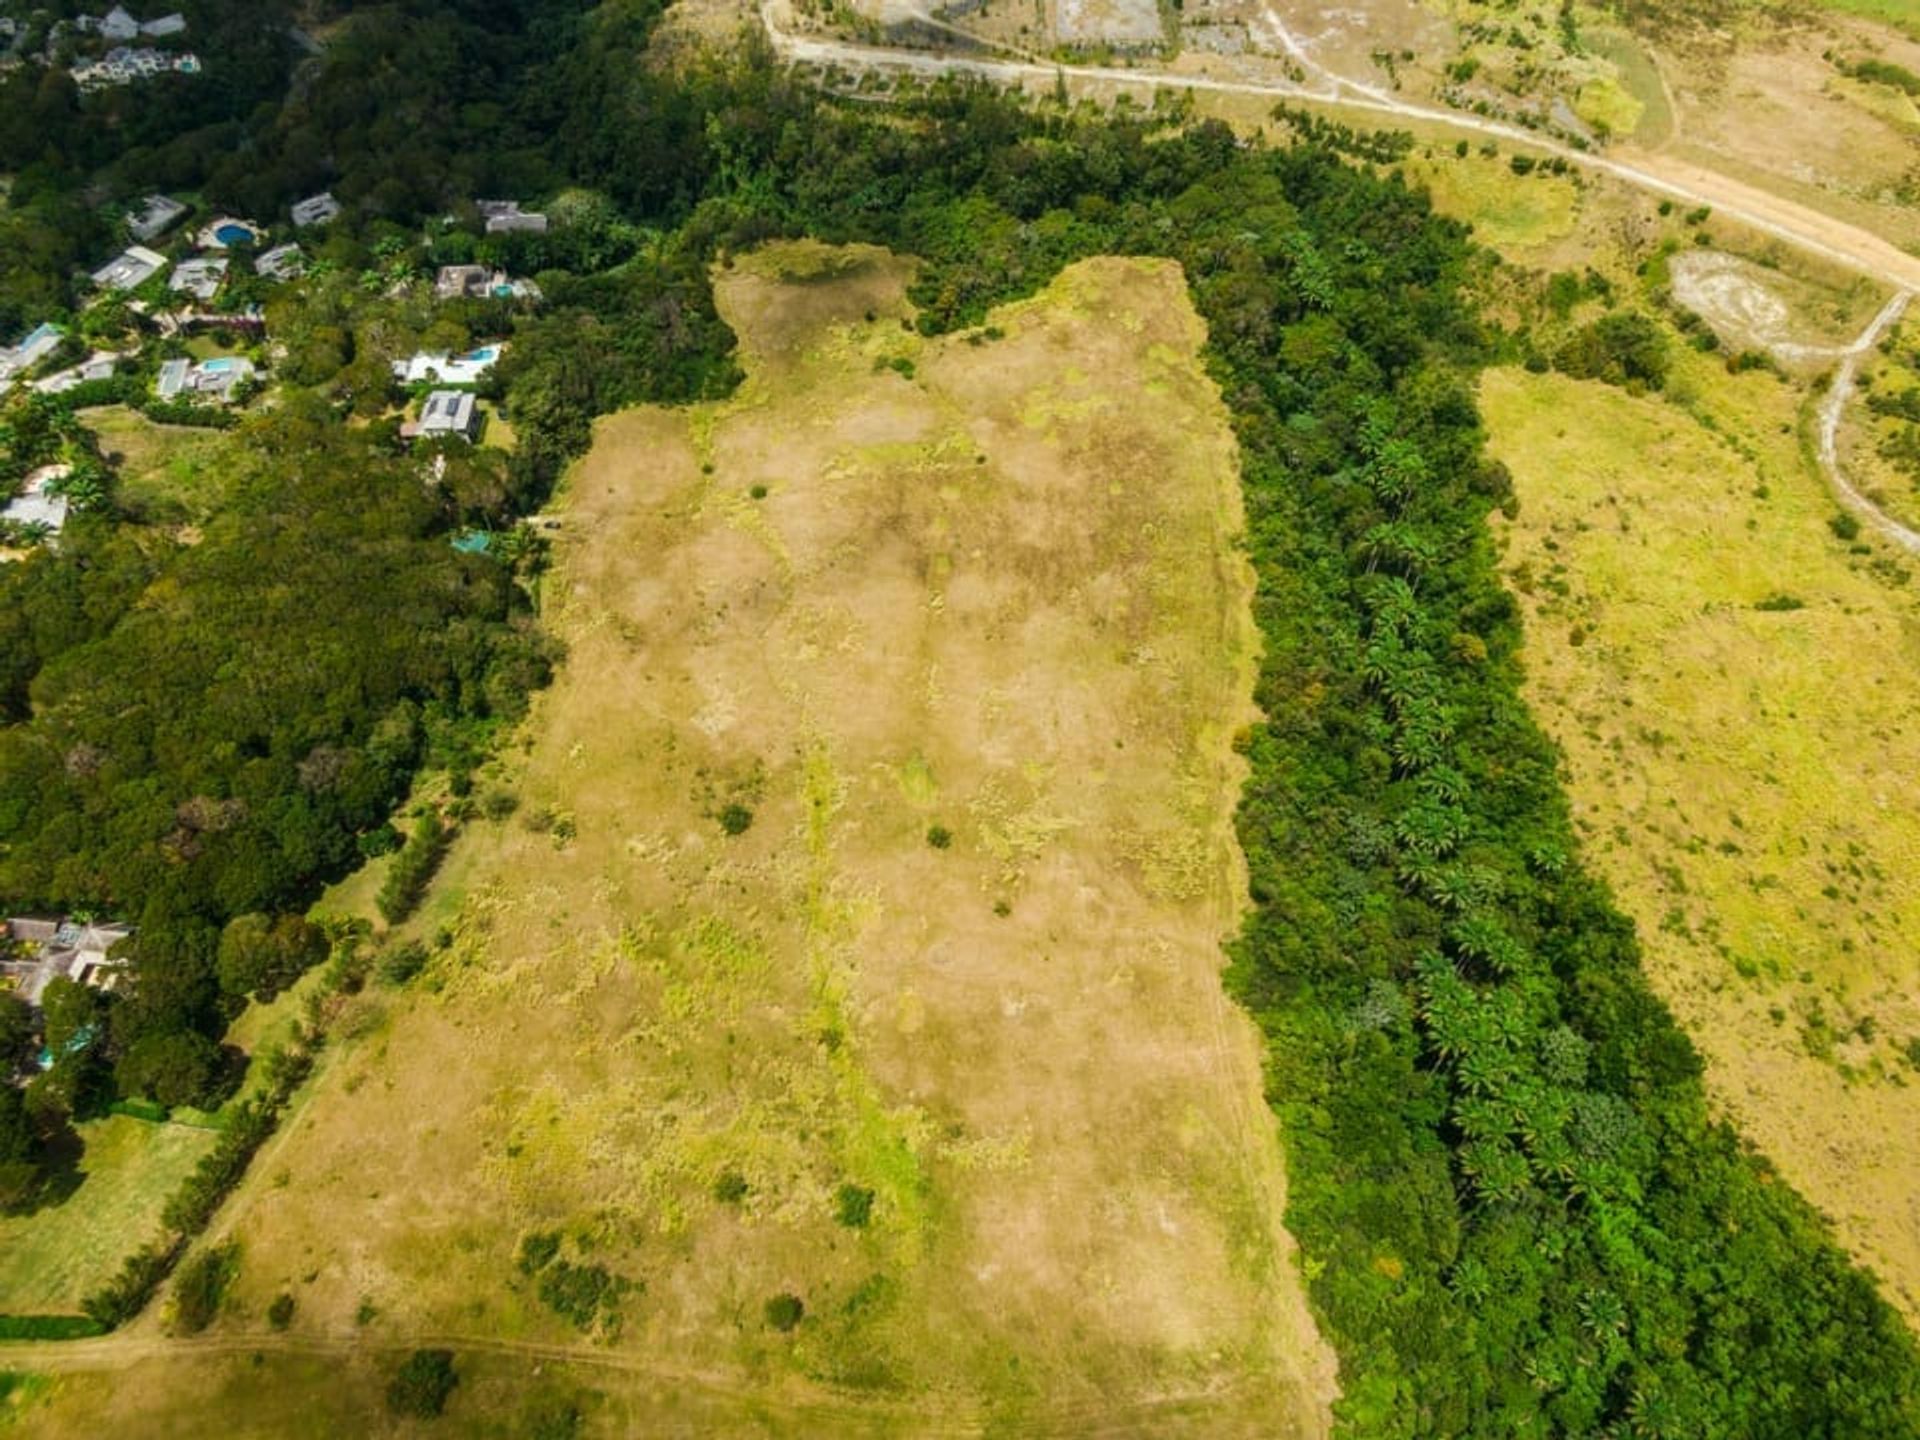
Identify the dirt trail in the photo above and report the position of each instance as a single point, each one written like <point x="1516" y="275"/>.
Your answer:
<point x="1798" y="225"/>
<point x="1833" y="409"/>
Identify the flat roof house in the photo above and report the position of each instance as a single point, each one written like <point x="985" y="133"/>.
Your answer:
<point x="155" y="215"/>
<point x="130" y="269"/>
<point x="315" y="209"/>
<point x="200" y="277"/>
<point x="173" y="24"/>
<point x="447" y="412"/>
<point x="34" y="506"/>
<point x="43" y="950"/>
<point x="504" y="216"/>
<point x="35" y="346"/>
<point x="282" y="262"/>
<point x="117" y="24"/>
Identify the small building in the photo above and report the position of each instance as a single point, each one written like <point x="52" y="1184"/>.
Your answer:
<point x="174" y="24"/>
<point x="172" y="378"/>
<point x="315" y="209"/>
<point x="98" y="366"/>
<point x="35" y="346"/>
<point x="217" y="379"/>
<point x="117" y="24"/>
<point x="200" y="277"/>
<point x="439" y="366"/>
<point x="446" y="412"/>
<point x="477" y="282"/>
<point x="282" y="262"/>
<point x="39" y="951"/>
<point x="505" y="216"/>
<point x="130" y="269"/>
<point x="37" y="505"/>
<point x="156" y="215"/>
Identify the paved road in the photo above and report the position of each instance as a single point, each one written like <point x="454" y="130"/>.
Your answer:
<point x="1799" y="225"/>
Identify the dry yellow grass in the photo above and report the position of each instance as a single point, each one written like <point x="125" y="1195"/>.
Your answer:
<point x="998" y="595"/>
<point x="1741" y="774"/>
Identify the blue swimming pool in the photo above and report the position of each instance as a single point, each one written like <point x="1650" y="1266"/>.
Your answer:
<point x="220" y="366"/>
<point x="231" y="234"/>
<point x="485" y="355"/>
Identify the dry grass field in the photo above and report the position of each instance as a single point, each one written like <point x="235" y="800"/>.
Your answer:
<point x="936" y="1043"/>
<point x="1733" y="687"/>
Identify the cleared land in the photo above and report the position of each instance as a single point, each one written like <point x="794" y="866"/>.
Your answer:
<point x="1733" y="688"/>
<point x="985" y="584"/>
<point x="52" y="1259"/>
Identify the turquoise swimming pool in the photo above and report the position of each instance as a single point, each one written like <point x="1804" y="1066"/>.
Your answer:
<point x="233" y="234"/>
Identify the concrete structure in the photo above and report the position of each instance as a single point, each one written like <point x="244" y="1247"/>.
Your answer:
<point x="446" y="369"/>
<point x="174" y="24"/>
<point x="155" y="215"/>
<point x="34" y="506"/>
<point x="200" y="277"/>
<point x="130" y="269"/>
<point x="447" y="412"/>
<point x="283" y="262"/>
<point x="505" y="216"/>
<point x="117" y="24"/>
<point x="172" y="378"/>
<point x="34" y="347"/>
<point x="315" y="209"/>
<point x="214" y="379"/>
<point x="39" y="951"/>
<point x="98" y="366"/>
<point x="477" y="282"/>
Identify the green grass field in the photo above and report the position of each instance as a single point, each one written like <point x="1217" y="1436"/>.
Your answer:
<point x="51" y="1259"/>
<point x="167" y="473"/>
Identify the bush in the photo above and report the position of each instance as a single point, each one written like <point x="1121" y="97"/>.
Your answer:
<point x="419" y="1389"/>
<point x="537" y="1250"/>
<point x="784" y="1311"/>
<point x="413" y="868"/>
<point x="853" y="1206"/>
<point x="939" y="837"/>
<point x="735" y="818"/>
<point x="1844" y="526"/>
<point x="49" y="1327"/>
<point x="401" y="963"/>
<point x="730" y="1187"/>
<point x="202" y="1286"/>
<point x="280" y="1312"/>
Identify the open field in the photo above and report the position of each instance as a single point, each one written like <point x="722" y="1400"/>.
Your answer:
<point x="936" y="1043"/>
<point x="53" y="1258"/>
<point x="1882" y="450"/>
<point x="1733" y="688"/>
<point x="167" y="473"/>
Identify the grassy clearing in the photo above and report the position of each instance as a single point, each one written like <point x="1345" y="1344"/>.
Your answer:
<point x="1516" y="216"/>
<point x="53" y="1258"/>
<point x="1881" y="451"/>
<point x="985" y="584"/>
<point x="167" y="472"/>
<point x="1733" y="688"/>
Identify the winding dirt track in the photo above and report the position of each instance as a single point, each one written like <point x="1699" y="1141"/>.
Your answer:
<point x="1799" y="225"/>
<point x="1834" y="407"/>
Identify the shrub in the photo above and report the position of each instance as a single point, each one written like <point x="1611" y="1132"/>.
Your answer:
<point x="407" y="881"/>
<point x="730" y="1187"/>
<point x="853" y="1206"/>
<point x="784" y="1310"/>
<point x="498" y="804"/>
<point x="939" y="837"/>
<point x="735" y="818"/>
<point x="537" y="1250"/>
<point x="1844" y="526"/>
<point x="401" y="963"/>
<point x="419" y="1389"/>
<point x="280" y="1312"/>
<point x="581" y="1292"/>
<point x="202" y="1286"/>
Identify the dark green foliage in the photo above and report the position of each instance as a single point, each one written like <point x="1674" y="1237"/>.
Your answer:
<point x="260" y="955"/>
<point x="1779" y="601"/>
<point x="280" y="1311"/>
<point x="537" y="1250"/>
<point x="412" y="868"/>
<point x="1844" y="526"/>
<point x="201" y="1286"/>
<point x="1885" y="72"/>
<point x="730" y="1187"/>
<point x="400" y="963"/>
<point x="420" y="1388"/>
<point x="48" y="1327"/>
<point x="172" y="1067"/>
<point x="581" y="1293"/>
<point x="1622" y="348"/>
<point x="783" y="1312"/>
<point x="939" y="837"/>
<point x="853" y="1206"/>
<point x="735" y="819"/>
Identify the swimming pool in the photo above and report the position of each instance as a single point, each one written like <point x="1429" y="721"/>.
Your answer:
<point x="220" y="366"/>
<point x="485" y="355"/>
<point x="234" y="234"/>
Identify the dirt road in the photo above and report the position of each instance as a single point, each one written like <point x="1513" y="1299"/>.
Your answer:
<point x="1833" y="409"/>
<point x="1798" y="225"/>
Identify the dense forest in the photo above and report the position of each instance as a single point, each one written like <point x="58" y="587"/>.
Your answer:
<point x="1519" y="1218"/>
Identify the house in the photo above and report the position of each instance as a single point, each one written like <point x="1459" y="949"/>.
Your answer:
<point x="38" y="951"/>
<point x="35" y="346"/>
<point x="476" y="282"/>
<point x="315" y="209"/>
<point x="132" y="268"/>
<point x="157" y="215"/>
<point x="34" y="505"/>
<point x="282" y="262"/>
<point x="200" y="277"/>
<point x="505" y="216"/>
<point x="447" y="412"/>
<point x="117" y="24"/>
<point x="446" y="369"/>
<point x="98" y="366"/>
<point x="172" y="378"/>
<point x="173" y="24"/>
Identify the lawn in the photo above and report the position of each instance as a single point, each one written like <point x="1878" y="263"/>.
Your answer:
<point x="1733" y="687"/>
<point x="50" y="1260"/>
<point x="981" y="1106"/>
<point x="167" y="473"/>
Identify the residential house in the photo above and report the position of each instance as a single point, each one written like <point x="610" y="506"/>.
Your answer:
<point x="447" y="412"/>
<point x="214" y="379"/>
<point x="156" y="215"/>
<point x="39" y="951"/>
<point x="282" y="262"/>
<point x="200" y="277"/>
<point x="117" y="24"/>
<point x="35" y="505"/>
<point x="174" y="24"/>
<point x="98" y="366"/>
<point x="35" y="346"/>
<point x="477" y="282"/>
<point x="505" y="216"/>
<point x="172" y="378"/>
<point x="315" y="209"/>
<point x="132" y="268"/>
<point x="439" y="366"/>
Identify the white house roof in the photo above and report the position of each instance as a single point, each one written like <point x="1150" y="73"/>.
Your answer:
<point x="131" y="268"/>
<point x="315" y="209"/>
<point x="447" y="412"/>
